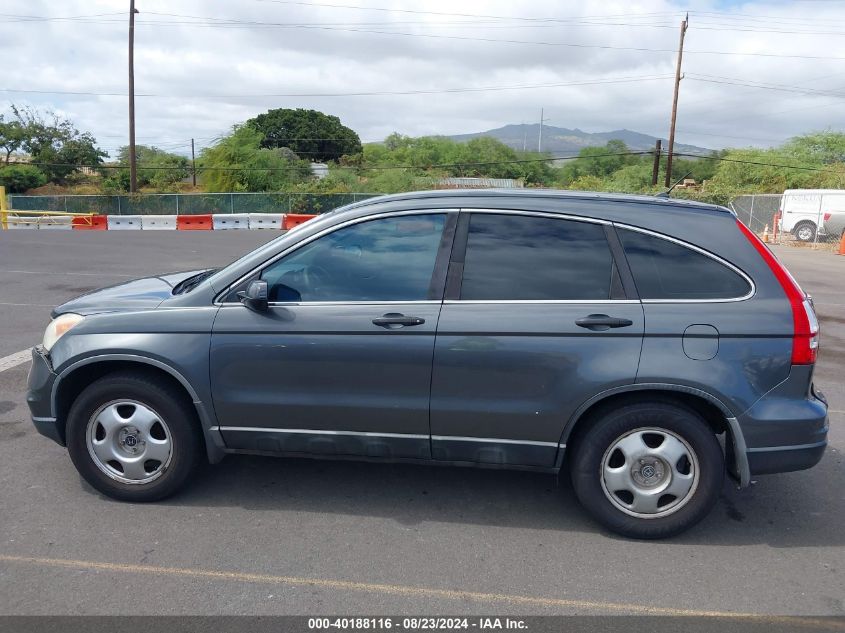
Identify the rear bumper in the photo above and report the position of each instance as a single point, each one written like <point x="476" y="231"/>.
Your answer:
<point x="39" y="398"/>
<point x="784" y="459"/>
<point x="786" y="430"/>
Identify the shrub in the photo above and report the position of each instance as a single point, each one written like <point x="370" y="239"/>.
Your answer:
<point x="20" y="178"/>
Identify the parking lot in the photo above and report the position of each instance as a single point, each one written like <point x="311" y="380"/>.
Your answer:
<point x="256" y="535"/>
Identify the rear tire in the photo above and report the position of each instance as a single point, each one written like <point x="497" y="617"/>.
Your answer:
<point x="648" y="470"/>
<point x="133" y="437"/>
<point x="805" y="231"/>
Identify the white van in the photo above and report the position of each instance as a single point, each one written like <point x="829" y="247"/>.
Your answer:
<point x="803" y="211"/>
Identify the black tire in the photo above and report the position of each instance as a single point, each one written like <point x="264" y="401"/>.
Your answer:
<point x="804" y="236"/>
<point x="173" y="409"/>
<point x="607" y="427"/>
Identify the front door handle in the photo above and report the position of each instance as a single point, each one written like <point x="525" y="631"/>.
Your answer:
<point x="601" y="322"/>
<point x="394" y="320"/>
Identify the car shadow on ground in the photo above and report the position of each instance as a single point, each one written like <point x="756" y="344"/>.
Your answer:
<point x="788" y="510"/>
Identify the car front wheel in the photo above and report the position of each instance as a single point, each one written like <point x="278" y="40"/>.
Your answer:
<point x="133" y="437"/>
<point x="648" y="470"/>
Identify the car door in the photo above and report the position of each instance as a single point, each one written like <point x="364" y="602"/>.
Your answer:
<point x="536" y="321"/>
<point x="340" y="363"/>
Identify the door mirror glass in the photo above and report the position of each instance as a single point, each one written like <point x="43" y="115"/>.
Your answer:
<point x="255" y="295"/>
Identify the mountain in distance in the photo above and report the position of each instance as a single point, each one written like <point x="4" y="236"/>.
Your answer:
<point x="563" y="140"/>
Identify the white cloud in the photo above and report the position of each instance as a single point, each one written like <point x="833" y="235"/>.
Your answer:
<point x="188" y="61"/>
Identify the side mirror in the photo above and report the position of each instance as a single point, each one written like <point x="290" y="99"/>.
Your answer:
<point x="255" y="295"/>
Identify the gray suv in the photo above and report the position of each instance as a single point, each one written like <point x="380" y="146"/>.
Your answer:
<point x="643" y="346"/>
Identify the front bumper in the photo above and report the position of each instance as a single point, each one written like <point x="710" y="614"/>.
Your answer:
<point x="39" y="397"/>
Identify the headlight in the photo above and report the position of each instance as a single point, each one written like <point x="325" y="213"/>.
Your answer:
<point x="58" y="327"/>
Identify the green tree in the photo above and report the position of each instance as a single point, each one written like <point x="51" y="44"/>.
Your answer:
<point x="156" y="168"/>
<point x="308" y="133"/>
<point x="18" y="178"/>
<point x="600" y="162"/>
<point x="12" y="137"/>
<point x="54" y="143"/>
<point x="238" y="162"/>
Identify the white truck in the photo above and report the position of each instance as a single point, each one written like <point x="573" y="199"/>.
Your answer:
<point x="803" y="212"/>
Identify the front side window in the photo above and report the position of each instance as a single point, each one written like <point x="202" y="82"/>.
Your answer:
<point x="532" y="258"/>
<point x="388" y="259"/>
<point x="667" y="270"/>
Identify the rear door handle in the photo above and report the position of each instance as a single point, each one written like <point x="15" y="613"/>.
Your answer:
<point x="394" y="320"/>
<point x="601" y="322"/>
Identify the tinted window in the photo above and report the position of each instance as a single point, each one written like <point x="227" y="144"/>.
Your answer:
<point x="666" y="270"/>
<point x="390" y="259"/>
<point x="520" y="257"/>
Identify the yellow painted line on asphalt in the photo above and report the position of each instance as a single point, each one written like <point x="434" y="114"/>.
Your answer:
<point x="398" y="590"/>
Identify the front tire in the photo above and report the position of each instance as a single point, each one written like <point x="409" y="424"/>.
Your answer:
<point x="133" y="437"/>
<point x="648" y="470"/>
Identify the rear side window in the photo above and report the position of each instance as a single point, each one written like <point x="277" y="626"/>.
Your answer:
<point x="666" y="270"/>
<point x="521" y="257"/>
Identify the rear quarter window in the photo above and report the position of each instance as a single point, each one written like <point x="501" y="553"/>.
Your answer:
<point x="667" y="270"/>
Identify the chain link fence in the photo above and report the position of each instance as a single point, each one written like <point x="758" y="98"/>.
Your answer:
<point x="810" y="218"/>
<point x="798" y="219"/>
<point x="188" y="203"/>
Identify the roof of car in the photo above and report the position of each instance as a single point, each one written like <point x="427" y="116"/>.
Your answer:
<point x="540" y="193"/>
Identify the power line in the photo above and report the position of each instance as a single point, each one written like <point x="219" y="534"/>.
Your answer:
<point x="765" y="86"/>
<point x="586" y="82"/>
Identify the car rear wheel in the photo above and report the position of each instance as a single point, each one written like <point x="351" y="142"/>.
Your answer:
<point x="805" y="231"/>
<point x="648" y="469"/>
<point x="133" y="437"/>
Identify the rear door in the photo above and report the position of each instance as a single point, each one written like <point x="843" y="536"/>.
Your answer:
<point x="536" y="321"/>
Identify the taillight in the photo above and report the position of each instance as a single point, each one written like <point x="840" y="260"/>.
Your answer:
<point x="827" y="216"/>
<point x="805" y="331"/>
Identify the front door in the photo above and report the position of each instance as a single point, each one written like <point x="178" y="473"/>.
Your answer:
<point x="536" y="321"/>
<point x="341" y="361"/>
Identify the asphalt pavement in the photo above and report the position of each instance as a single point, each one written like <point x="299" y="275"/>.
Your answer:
<point x="256" y="535"/>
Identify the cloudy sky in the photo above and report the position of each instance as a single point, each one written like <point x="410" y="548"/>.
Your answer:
<point x="756" y="73"/>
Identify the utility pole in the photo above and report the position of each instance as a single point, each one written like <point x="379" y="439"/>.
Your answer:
<point x="194" y="164"/>
<point x="671" y="148"/>
<point x="133" y="169"/>
<point x="655" y="170"/>
<point x="524" y="137"/>
<point x="540" y="138"/>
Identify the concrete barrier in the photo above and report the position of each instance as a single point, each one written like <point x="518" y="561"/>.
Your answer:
<point x="124" y="222"/>
<point x="158" y="222"/>
<point x="93" y="223"/>
<point x="266" y="220"/>
<point x="21" y="223"/>
<point x="55" y="222"/>
<point x="224" y="221"/>
<point x="295" y="219"/>
<point x="194" y="222"/>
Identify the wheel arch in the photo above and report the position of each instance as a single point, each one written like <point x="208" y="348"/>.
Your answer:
<point x="73" y="379"/>
<point x="717" y="414"/>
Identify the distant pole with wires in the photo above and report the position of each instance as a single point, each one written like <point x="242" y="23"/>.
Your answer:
<point x="193" y="165"/>
<point x="671" y="147"/>
<point x="133" y="170"/>
<point x="540" y="137"/>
